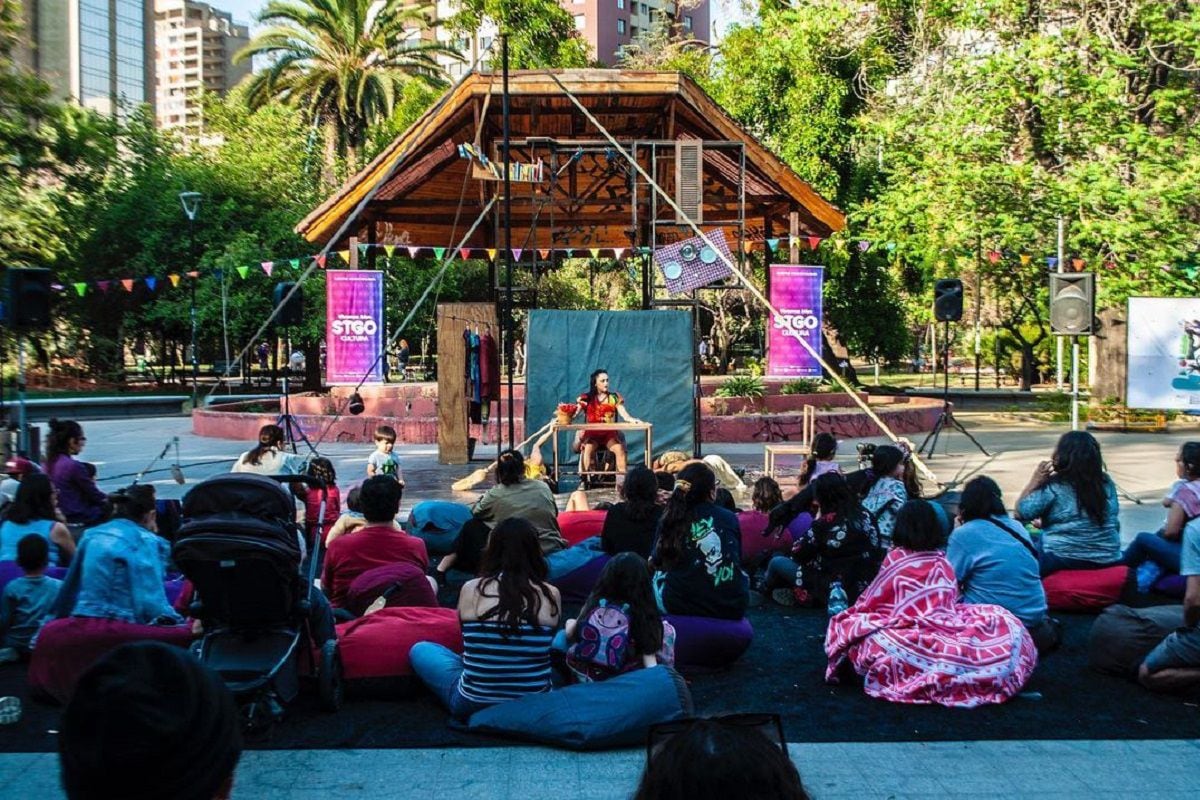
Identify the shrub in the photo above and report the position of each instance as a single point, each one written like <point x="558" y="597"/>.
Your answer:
<point x="742" y="386"/>
<point x="802" y="386"/>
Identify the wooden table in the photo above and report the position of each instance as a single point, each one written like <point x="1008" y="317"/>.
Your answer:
<point x="556" y="429"/>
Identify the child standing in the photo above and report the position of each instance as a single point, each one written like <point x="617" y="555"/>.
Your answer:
<point x="619" y="627"/>
<point x="383" y="461"/>
<point x="27" y="602"/>
<point x="322" y="468"/>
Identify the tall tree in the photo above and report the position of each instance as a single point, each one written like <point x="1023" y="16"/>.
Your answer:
<point x="344" y="63"/>
<point x="541" y="34"/>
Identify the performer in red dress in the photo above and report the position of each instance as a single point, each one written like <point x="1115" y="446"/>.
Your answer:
<point x="599" y="404"/>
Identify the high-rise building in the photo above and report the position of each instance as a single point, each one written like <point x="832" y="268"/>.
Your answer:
<point x="96" y="52"/>
<point x="194" y="48"/>
<point x="606" y="25"/>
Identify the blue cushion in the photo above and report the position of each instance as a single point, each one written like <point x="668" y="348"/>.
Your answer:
<point x="617" y="712"/>
<point x="564" y="562"/>
<point x="438" y="524"/>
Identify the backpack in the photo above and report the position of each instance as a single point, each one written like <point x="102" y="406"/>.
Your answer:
<point x="603" y="645"/>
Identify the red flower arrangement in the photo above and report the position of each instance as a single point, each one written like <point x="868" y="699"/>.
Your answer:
<point x="568" y="408"/>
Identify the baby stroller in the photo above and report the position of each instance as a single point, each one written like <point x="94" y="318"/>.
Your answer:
<point x="240" y="546"/>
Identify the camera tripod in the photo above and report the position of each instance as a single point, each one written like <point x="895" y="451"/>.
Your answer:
<point x="946" y="418"/>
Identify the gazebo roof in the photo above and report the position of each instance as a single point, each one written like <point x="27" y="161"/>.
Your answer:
<point x="431" y="195"/>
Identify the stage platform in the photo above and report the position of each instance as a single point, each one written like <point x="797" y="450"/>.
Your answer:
<point x="411" y="408"/>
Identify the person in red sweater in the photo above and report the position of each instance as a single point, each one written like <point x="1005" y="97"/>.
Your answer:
<point x="380" y="543"/>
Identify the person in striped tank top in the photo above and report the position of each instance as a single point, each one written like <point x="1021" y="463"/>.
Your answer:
<point x="509" y="615"/>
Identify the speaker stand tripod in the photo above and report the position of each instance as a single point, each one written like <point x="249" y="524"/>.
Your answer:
<point x="946" y="418"/>
<point x="292" y="432"/>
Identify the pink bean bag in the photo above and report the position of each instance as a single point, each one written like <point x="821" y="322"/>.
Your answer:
<point x="67" y="647"/>
<point x="1085" y="589"/>
<point x="579" y="525"/>
<point x="377" y="645"/>
<point x="755" y="546"/>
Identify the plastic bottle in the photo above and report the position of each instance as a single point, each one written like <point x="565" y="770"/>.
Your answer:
<point x="838" y="602"/>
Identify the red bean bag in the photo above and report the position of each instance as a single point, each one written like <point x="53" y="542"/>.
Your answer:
<point x="579" y="525"/>
<point x="1085" y="589"/>
<point x="377" y="645"/>
<point x="704" y="643"/>
<point x="67" y="647"/>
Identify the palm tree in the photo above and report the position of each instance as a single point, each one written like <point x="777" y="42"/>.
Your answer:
<point x="344" y="62"/>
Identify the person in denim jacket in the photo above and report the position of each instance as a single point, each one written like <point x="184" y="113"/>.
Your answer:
<point x="118" y="571"/>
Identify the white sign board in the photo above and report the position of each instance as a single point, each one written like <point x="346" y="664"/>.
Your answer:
<point x="1164" y="353"/>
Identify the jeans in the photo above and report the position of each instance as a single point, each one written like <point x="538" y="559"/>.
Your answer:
<point x="440" y="669"/>
<point x="781" y="573"/>
<point x="1050" y="563"/>
<point x="1152" y="547"/>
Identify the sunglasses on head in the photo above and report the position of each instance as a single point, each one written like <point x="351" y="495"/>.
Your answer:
<point x="769" y="725"/>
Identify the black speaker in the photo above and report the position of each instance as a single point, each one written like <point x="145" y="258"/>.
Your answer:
<point x="28" y="306"/>
<point x="290" y="313"/>
<point x="1072" y="302"/>
<point x="947" y="300"/>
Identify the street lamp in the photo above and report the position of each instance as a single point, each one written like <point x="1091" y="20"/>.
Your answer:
<point x="191" y="208"/>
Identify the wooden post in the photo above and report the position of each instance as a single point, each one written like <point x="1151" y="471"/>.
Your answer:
<point x="794" y="237"/>
<point x="353" y="252"/>
<point x="452" y="320"/>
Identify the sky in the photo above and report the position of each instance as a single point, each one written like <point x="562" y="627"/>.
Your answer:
<point x="723" y="11"/>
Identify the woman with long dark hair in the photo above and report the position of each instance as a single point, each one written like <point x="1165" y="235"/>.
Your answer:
<point x="1076" y="504"/>
<point x="34" y="511"/>
<point x="1153" y="554"/>
<point x="838" y="547"/>
<point x="822" y="458"/>
<point x="268" y="456"/>
<point x="886" y="491"/>
<point x="698" y="553"/>
<point x="508" y="617"/>
<point x="630" y="524"/>
<point x="601" y="404"/>
<point x="79" y="499"/>
<point x="622" y="593"/>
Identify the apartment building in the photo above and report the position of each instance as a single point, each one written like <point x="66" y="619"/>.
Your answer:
<point x="194" y="48"/>
<point x="95" y="52"/>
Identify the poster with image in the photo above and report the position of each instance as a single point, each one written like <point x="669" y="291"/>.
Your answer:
<point x="796" y="294"/>
<point x="1164" y="353"/>
<point x="353" y="326"/>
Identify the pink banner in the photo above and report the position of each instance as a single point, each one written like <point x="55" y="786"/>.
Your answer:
<point x="796" y="295"/>
<point x="353" y="326"/>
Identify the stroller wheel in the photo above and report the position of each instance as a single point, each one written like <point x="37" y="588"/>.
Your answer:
<point x="331" y="685"/>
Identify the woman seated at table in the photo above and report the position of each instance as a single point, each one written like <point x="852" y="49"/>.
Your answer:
<point x="601" y="405"/>
<point x="1075" y="503"/>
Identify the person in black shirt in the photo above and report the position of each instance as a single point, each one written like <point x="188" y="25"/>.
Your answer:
<point x="629" y="525"/>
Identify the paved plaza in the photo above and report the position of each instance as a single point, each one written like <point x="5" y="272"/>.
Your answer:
<point x="1141" y="463"/>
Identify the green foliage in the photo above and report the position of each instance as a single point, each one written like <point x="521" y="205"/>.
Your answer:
<point x="742" y="386"/>
<point x="541" y="32"/>
<point x="802" y="386"/>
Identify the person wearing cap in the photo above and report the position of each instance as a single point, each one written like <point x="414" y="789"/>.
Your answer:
<point x="15" y="469"/>
<point x="146" y="721"/>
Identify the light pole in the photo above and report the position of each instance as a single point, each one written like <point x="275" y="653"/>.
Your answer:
<point x="191" y="207"/>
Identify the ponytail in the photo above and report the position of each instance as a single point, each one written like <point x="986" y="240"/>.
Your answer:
<point x="694" y="485"/>
<point x="269" y="436"/>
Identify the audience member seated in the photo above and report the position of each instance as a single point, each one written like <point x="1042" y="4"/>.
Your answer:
<point x="350" y="521"/>
<point x="758" y="544"/>
<point x="268" y="457"/>
<point x="322" y="469"/>
<point x="885" y="492"/>
<point x="698" y="552"/>
<point x="822" y="458"/>
<point x="15" y="469"/>
<point x="674" y="461"/>
<point x="508" y="617"/>
<point x="619" y="628"/>
<point x="79" y="499"/>
<point x="149" y="721"/>
<point x="1175" y="664"/>
<point x="380" y="543"/>
<point x="1156" y="554"/>
<point x="1074" y="502"/>
<point x="714" y="759"/>
<point x="838" y="548"/>
<point x="33" y="511"/>
<point x="911" y="639"/>
<point x="996" y="562"/>
<point x="630" y="524"/>
<point x="119" y="568"/>
<point x="513" y="496"/>
<point x="27" y="602"/>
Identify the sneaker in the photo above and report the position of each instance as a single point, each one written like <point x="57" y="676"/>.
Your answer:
<point x="8" y="655"/>
<point x="784" y="597"/>
<point x="1147" y="574"/>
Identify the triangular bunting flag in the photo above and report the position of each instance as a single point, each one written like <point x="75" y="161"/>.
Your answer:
<point x="243" y="271"/>
<point x="151" y="282"/>
<point x="516" y="253"/>
<point x="58" y="287"/>
<point x="814" y="242"/>
<point x="595" y="251"/>
<point x="193" y="274"/>
<point x="362" y="250"/>
<point x="438" y="252"/>
<point x="1025" y="259"/>
<point x="1191" y="272"/>
<point x="1051" y="262"/>
<point x="890" y="247"/>
<point x="267" y="266"/>
<point x="412" y="251"/>
<point x="618" y="252"/>
<point x="993" y="256"/>
<point x="773" y="244"/>
<point x="840" y="245"/>
<point x="464" y="253"/>
<point x="491" y="253"/>
<point x="570" y="252"/>
<point x="1110" y="265"/>
<point x="544" y="255"/>
<point x="389" y="249"/>
<point x="127" y="283"/>
<point x="344" y="255"/>
<point x="174" y="278"/>
<point x="747" y="246"/>
<point x="863" y="245"/>
<point x="1077" y="263"/>
<point x="81" y="289"/>
<point x="320" y="261"/>
<point x="103" y="285"/>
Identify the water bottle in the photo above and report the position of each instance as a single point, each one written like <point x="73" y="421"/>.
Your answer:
<point x="838" y="602"/>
